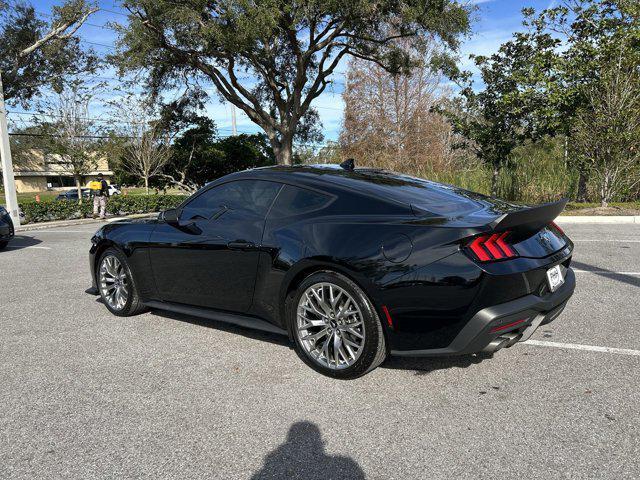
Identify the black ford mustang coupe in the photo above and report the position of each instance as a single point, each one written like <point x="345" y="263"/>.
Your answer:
<point x="351" y="264"/>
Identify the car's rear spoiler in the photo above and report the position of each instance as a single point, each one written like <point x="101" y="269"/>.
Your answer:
<point x="530" y="219"/>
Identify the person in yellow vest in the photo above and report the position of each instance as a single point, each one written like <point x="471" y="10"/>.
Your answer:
<point x="100" y="192"/>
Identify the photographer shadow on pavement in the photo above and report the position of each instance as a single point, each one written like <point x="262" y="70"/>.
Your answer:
<point x="302" y="456"/>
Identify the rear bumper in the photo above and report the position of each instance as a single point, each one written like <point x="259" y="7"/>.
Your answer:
<point x="504" y="324"/>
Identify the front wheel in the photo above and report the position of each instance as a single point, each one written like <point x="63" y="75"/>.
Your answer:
<point x="115" y="283"/>
<point x="3" y="244"/>
<point x="336" y="329"/>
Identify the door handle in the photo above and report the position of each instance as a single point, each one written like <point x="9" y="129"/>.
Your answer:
<point x="241" y="245"/>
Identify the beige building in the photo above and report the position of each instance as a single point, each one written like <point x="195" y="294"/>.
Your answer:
<point x="38" y="172"/>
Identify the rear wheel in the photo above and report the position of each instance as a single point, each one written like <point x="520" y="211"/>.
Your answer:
<point x="3" y="244"/>
<point x="116" y="286"/>
<point x="336" y="329"/>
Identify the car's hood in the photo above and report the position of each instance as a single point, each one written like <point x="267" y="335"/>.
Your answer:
<point x="152" y="218"/>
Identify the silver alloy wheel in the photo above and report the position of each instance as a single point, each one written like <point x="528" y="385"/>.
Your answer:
<point x="114" y="284"/>
<point x="330" y="326"/>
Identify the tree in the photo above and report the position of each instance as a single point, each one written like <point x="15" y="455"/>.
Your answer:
<point x="199" y="157"/>
<point x="502" y="115"/>
<point x="389" y="119"/>
<point x="191" y="154"/>
<point x="607" y="132"/>
<point x="595" y="33"/>
<point x="34" y="53"/>
<point x="71" y="132"/>
<point x="272" y="58"/>
<point x="144" y="144"/>
<point x="538" y="82"/>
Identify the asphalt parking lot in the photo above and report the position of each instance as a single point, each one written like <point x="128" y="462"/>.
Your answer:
<point x="84" y="394"/>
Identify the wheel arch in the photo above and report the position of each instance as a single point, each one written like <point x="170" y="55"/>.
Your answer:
<point x="305" y="269"/>
<point x="101" y="247"/>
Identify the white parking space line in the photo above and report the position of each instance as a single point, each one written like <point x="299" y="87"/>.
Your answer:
<point x="597" y="240"/>
<point x="589" y="348"/>
<point x="600" y="272"/>
<point x="56" y="231"/>
<point x="15" y="247"/>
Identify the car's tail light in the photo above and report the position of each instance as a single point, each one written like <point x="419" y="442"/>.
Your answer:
<point x="555" y="225"/>
<point x="488" y="248"/>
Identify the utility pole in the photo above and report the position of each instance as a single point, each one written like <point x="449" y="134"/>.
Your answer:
<point x="234" y="130"/>
<point x="7" y="164"/>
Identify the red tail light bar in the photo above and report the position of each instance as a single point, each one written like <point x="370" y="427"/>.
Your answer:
<point x="555" y="225"/>
<point x="488" y="248"/>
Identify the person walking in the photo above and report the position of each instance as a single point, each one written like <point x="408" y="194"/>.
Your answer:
<point x="100" y="195"/>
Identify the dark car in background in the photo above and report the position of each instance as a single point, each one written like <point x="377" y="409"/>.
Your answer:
<point x="351" y="264"/>
<point x="6" y="227"/>
<point x="73" y="194"/>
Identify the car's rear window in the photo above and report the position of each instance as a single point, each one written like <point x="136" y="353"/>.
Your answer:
<point x="425" y="195"/>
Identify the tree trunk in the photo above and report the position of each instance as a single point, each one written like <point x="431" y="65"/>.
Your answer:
<point x="494" y="180"/>
<point x="146" y="184"/>
<point x="581" y="194"/>
<point x="605" y="194"/>
<point x="78" y="179"/>
<point x="283" y="149"/>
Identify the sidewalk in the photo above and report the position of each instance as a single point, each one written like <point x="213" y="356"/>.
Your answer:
<point x="78" y="221"/>
<point x="598" y="219"/>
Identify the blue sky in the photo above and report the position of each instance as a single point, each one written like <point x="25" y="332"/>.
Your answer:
<point x="494" y="23"/>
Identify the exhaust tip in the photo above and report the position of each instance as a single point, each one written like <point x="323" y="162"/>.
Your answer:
<point x="503" y="341"/>
<point x="495" y="345"/>
<point x="513" y="338"/>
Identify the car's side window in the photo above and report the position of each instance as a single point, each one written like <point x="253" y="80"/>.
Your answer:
<point x="253" y="196"/>
<point x="295" y="201"/>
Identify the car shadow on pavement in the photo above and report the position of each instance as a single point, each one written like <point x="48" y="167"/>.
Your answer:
<point x="603" y="272"/>
<point x="421" y="365"/>
<point x="22" y="241"/>
<point x="426" y="365"/>
<point x="303" y="456"/>
<point x="226" y="327"/>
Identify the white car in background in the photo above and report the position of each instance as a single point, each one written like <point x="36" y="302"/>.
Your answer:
<point x="114" y="190"/>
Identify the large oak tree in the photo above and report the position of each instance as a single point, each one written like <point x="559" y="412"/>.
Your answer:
<point x="35" y="52"/>
<point x="272" y="58"/>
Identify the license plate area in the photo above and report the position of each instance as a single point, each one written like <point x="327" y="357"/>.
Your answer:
<point x="555" y="279"/>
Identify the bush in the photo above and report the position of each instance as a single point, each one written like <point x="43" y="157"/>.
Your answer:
<point x="118" y="205"/>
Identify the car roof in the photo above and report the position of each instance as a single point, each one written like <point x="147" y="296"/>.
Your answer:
<point x="420" y="194"/>
<point x="315" y="175"/>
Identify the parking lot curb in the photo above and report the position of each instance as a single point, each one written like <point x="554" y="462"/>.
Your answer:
<point x="598" y="219"/>
<point x="79" y="221"/>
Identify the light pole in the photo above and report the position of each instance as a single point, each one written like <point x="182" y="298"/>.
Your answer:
<point x="7" y="164"/>
<point x="234" y="130"/>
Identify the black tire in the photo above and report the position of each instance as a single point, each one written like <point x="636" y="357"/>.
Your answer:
<point x="3" y="244"/>
<point x="374" y="350"/>
<point x="133" y="305"/>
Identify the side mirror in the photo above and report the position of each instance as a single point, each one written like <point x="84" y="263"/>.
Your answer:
<point x="171" y="216"/>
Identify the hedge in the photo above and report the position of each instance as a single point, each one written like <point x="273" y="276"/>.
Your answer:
<point x="117" y="205"/>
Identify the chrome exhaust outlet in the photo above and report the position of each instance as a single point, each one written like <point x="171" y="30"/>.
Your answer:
<point x="513" y="338"/>
<point x="503" y="341"/>
<point x="496" y="345"/>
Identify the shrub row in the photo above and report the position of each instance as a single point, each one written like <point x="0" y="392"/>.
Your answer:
<point x="118" y="205"/>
